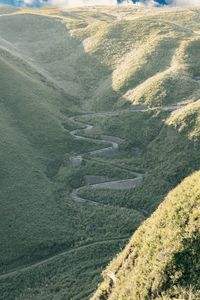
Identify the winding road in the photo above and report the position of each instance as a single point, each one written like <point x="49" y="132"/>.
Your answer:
<point x="114" y="141"/>
<point x="112" y="184"/>
<point x="134" y="181"/>
<point x="109" y="184"/>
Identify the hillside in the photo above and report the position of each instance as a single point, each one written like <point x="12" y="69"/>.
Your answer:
<point x="161" y="261"/>
<point x="100" y="120"/>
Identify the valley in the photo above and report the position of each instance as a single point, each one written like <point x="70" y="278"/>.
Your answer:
<point x="100" y="120"/>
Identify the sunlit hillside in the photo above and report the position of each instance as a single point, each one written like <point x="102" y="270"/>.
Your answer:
<point x="162" y="259"/>
<point x="100" y="119"/>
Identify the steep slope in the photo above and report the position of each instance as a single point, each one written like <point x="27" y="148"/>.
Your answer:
<point x="48" y="44"/>
<point x="162" y="258"/>
<point x="39" y="220"/>
<point x="65" y="80"/>
<point x="110" y="57"/>
<point x="147" y="57"/>
<point x="33" y="145"/>
<point x="162" y="145"/>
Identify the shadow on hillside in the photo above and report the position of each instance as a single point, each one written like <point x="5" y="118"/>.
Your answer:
<point x="48" y="45"/>
<point x="169" y="159"/>
<point x="54" y="51"/>
<point x="65" y="66"/>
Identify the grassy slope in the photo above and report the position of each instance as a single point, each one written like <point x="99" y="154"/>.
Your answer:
<point x="41" y="219"/>
<point x="147" y="57"/>
<point x="144" y="59"/>
<point x="162" y="258"/>
<point x="48" y="77"/>
<point x="165" y="149"/>
<point x="34" y="143"/>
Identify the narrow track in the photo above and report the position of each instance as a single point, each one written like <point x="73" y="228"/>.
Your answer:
<point x="138" y="178"/>
<point x="47" y="260"/>
<point x="112" y="184"/>
<point x="114" y="141"/>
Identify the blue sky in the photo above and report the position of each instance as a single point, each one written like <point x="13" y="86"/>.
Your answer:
<point x="84" y="2"/>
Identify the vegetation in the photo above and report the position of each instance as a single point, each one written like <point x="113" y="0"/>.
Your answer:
<point x="146" y="55"/>
<point x="162" y="259"/>
<point x="56" y="73"/>
<point x="165" y="149"/>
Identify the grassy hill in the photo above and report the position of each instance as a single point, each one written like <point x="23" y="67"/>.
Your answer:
<point x="165" y="149"/>
<point x="41" y="220"/>
<point x="108" y="57"/>
<point x="147" y="56"/>
<point x="70" y="74"/>
<point x="161" y="261"/>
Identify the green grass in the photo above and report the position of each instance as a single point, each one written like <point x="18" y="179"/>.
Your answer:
<point x="34" y="146"/>
<point x="189" y="22"/>
<point x="58" y="279"/>
<point x="73" y="62"/>
<point x="187" y="121"/>
<point x="192" y="51"/>
<point x="146" y="60"/>
<point x="162" y="259"/>
<point x="165" y="148"/>
<point x="37" y="178"/>
<point x="127" y="126"/>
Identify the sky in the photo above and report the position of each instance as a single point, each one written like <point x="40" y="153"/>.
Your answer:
<point x="71" y="3"/>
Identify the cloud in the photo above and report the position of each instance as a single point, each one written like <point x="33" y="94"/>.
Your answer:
<point x="149" y="3"/>
<point x="75" y="3"/>
<point x="185" y="3"/>
<point x="171" y="3"/>
<point x="30" y="2"/>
